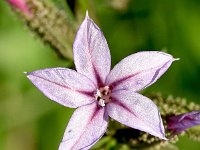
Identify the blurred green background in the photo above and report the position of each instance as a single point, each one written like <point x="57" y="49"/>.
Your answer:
<point x="29" y="121"/>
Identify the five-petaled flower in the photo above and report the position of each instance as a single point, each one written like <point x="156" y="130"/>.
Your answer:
<point x="99" y="93"/>
<point x="184" y="121"/>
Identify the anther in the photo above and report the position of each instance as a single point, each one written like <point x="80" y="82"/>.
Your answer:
<point x="103" y="96"/>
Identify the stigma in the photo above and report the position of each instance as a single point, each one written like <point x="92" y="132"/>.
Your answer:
<point x="103" y="96"/>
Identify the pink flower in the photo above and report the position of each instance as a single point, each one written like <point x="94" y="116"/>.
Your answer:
<point x="184" y="121"/>
<point x="99" y="93"/>
<point x="21" y="5"/>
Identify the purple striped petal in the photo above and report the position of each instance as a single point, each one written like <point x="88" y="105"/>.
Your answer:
<point x="91" y="52"/>
<point x="136" y="111"/>
<point x="65" y="86"/>
<point x="86" y="126"/>
<point x="139" y="70"/>
<point x="183" y="121"/>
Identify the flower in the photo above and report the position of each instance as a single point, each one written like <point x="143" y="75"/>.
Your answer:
<point x="21" y="5"/>
<point x="184" y="121"/>
<point x="99" y="93"/>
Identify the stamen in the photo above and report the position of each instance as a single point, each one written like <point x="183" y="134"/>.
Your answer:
<point x="102" y="102"/>
<point x="98" y="94"/>
<point x="103" y="96"/>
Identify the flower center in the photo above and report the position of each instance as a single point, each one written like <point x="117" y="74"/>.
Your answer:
<point x="103" y="95"/>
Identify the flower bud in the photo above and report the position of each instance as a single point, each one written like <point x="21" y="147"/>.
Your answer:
<point x="184" y="121"/>
<point x="21" y="5"/>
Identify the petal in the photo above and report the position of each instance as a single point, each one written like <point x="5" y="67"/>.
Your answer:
<point x="91" y="52"/>
<point x="136" y="111"/>
<point x="86" y="126"/>
<point x="184" y="121"/>
<point x="65" y="86"/>
<point x="139" y="70"/>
